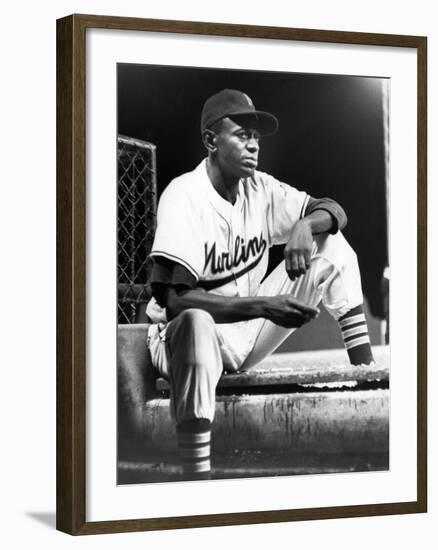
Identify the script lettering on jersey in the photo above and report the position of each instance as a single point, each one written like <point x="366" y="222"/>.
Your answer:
<point x="218" y="262"/>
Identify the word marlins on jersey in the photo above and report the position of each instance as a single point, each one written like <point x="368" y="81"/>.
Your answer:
<point x="242" y="252"/>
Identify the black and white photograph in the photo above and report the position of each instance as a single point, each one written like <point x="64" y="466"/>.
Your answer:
<point x="222" y="212"/>
<point x="253" y="275"/>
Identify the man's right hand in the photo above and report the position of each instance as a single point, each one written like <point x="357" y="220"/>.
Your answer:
<point x="286" y="311"/>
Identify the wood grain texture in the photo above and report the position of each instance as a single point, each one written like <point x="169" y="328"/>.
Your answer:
<point x="71" y="233"/>
<point x="422" y="275"/>
<point x="247" y="31"/>
<point x="247" y="518"/>
<point x="64" y="275"/>
<point x="71" y="270"/>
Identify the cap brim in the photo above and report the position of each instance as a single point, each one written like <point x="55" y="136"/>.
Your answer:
<point x="265" y="123"/>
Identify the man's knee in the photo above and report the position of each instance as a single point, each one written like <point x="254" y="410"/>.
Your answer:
<point x="336" y="249"/>
<point x="193" y="336"/>
<point x="196" y="320"/>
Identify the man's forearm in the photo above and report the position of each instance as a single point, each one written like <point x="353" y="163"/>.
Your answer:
<point x="283" y="309"/>
<point x="319" y="221"/>
<point x="223" y="309"/>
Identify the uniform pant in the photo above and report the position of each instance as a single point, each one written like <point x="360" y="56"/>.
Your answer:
<point x="192" y="351"/>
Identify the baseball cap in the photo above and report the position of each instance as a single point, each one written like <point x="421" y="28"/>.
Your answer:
<point x="233" y="103"/>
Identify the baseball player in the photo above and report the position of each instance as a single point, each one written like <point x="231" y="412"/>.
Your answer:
<point x="211" y="311"/>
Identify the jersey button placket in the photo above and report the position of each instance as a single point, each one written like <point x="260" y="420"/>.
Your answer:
<point x="237" y="227"/>
<point x="231" y="241"/>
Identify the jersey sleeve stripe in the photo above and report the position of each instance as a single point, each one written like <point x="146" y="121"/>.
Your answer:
<point x="175" y="259"/>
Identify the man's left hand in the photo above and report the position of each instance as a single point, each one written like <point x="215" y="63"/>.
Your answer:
<point x="298" y="249"/>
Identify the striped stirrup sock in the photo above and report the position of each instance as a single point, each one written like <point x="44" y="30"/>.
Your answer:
<point x="194" y="441"/>
<point x="356" y="339"/>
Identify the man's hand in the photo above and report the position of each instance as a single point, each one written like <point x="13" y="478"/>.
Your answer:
<point x="286" y="311"/>
<point x="298" y="249"/>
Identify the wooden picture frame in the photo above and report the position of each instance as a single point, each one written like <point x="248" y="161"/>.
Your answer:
<point x="71" y="273"/>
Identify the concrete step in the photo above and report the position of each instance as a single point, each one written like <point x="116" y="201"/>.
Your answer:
<point x="311" y="403"/>
<point x="323" y="422"/>
<point x="328" y="368"/>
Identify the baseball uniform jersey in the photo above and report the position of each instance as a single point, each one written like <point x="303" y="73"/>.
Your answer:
<point x="225" y="246"/>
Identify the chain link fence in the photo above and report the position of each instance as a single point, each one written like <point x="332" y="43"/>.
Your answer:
<point x="136" y="222"/>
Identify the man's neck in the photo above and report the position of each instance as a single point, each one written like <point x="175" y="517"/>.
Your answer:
<point x="227" y="187"/>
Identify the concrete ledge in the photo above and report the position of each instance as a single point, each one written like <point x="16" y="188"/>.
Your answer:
<point x="305" y="368"/>
<point x="135" y="378"/>
<point x="326" y="423"/>
<point x="315" y="422"/>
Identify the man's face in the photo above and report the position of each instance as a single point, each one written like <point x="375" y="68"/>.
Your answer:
<point x="237" y="148"/>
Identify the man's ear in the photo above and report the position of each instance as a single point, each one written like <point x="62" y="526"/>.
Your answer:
<point x="209" y="140"/>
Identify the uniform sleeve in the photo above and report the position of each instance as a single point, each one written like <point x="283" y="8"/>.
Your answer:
<point x="178" y="233"/>
<point x="286" y="205"/>
<point x="336" y="211"/>
<point x="166" y="273"/>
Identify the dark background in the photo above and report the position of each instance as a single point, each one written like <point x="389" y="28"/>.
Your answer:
<point x="330" y="141"/>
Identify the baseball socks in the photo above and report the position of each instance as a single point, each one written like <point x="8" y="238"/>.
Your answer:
<point x="356" y="339"/>
<point x="194" y="441"/>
